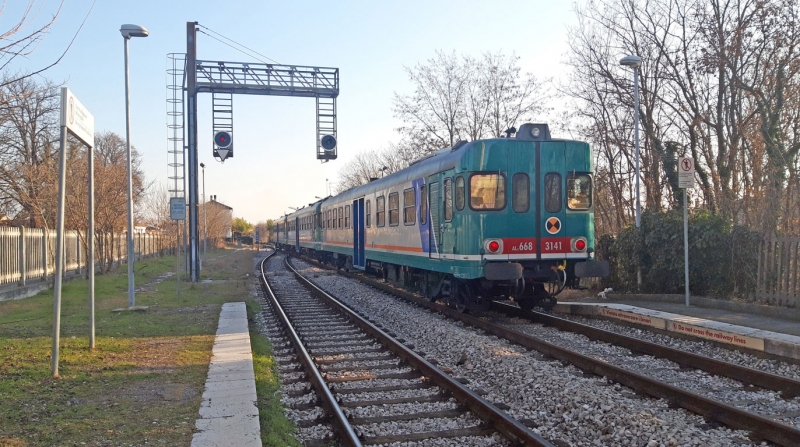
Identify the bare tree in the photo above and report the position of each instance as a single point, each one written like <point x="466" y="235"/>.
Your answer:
<point x="713" y="86"/>
<point x="24" y="35"/>
<point x="436" y="109"/>
<point x="29" y="149"/>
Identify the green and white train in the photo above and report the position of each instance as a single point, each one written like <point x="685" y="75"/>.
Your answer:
<point x="488" y="219"/>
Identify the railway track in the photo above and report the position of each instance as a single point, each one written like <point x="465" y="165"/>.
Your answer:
<point x="373" y="388"/>
<point x="678" y="383"/>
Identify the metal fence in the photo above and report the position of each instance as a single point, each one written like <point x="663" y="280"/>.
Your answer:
<point x="29" y="253"/>
<point x="778" y="280"/>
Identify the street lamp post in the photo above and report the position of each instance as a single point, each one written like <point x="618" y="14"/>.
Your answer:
<point x="127" y="32"/>
<point x="635" y="62"/>
<point x="205" y="213"/>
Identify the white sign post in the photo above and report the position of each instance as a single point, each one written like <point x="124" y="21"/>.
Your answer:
<point x="77" y="120"/>
<point x="686" y="181"/>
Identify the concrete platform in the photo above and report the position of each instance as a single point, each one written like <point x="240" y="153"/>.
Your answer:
<point x="755" y="332"/>
<point x="228" y="414"/>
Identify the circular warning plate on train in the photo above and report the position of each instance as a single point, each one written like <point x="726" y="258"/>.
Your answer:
<point x="552" y="225"/>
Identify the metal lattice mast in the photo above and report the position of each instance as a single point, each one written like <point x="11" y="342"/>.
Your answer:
<point x="175" y="138"/>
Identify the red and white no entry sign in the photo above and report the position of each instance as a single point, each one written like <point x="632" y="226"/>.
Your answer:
<point x="686" y="172"/>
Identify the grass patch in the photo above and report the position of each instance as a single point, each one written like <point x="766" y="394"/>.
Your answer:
<point x="143" y="383"/>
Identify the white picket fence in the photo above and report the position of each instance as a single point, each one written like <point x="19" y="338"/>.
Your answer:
<point x="29" y="253"/>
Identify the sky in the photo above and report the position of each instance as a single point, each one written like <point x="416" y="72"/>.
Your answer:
<point x="275" y="165"/>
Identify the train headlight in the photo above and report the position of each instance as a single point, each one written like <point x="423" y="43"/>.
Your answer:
<point x="493" y="246"/>
<point x="579" y="244"/>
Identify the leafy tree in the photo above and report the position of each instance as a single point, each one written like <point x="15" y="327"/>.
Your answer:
<point x="242" y="226"/>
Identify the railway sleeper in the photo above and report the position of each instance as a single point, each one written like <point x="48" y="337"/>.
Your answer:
<point x="478" y="430"/>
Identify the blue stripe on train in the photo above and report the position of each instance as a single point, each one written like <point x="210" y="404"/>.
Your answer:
<point x="424" y="229"/>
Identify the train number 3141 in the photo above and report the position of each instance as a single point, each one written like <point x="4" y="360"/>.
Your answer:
<point x="552" y="246"/>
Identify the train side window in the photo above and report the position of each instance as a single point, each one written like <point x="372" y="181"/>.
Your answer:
<point x="409" y="207"/>
<point x="552" y="192"/>
<point x="448" y="199"/>
<point x="347" y="216"/>
<point x="460" y="198"/>
<point x="369" y="215"/>
<point x="341" y="218"/>
<point x="579" y="191"/>
<point x="327" y="219"/>
<point x="520" y="192"/>
<point x="487" y="191"/>
<point x="423" y="205"/>
<point x="380" y="211"/>
<point x="394" y="209"/>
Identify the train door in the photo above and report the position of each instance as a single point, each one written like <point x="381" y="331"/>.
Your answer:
<point x="553" y="243"/>
<point x="435" y="206"/>
<point x="447" y="234"/>
<point x="521" y="190"/>
<point x="358" y="233"/>
<point x="297" y="234"/>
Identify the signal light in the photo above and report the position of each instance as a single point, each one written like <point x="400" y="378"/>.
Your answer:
<point x="223" y="139"/>
<point x="494" y="246"/>
<point x="580" y="245"/>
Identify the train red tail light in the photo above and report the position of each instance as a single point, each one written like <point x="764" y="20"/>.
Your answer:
<point x="494" y="246"/>
<point x="579" y="244"/>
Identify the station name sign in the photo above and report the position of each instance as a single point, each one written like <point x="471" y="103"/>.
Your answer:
<point x="76" y="118"/>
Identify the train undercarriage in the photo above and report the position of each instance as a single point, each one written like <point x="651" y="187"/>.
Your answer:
<point x="538" y="287"/>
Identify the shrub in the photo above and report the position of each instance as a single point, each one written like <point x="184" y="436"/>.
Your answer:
<point x="722" y="258"/>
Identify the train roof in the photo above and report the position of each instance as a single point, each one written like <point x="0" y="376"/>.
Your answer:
<point x="440" y="160"/>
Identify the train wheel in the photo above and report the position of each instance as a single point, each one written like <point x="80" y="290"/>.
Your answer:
<point x="460" y="295"/>
<point x="556" y="283"/>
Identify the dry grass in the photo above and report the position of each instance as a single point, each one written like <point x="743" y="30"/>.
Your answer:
<point x="143" y="383"/>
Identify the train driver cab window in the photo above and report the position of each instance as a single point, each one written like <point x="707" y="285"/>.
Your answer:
<point x="520" y="192"/>
<point x="460" y="198"/>
<point x="394" y="209"/>
<point x="423" y="205"/>
<point x="579" y="191"/>
<point x="448" y="199"/>
<point x="409" y="207"/>
<point x="369" y="214"/>
<point x="341" y="218"/>
<point x="552" y="192"/>
<point x="380" y="211"/>
<point x="487" y="191"/>
<point x="347" y="216"/>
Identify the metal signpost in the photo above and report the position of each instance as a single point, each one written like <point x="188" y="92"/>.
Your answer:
<point x="76" y="120"/>
<point x="686" y="181"/>
<point x="177" y="212"/>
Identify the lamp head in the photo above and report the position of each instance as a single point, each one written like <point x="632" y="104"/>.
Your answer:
<point x="631" y="61"/>
<point x="129" y="31"/>
<point x="202" y="165"/>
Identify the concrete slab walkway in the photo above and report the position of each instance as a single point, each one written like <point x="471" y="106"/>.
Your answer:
<point x="755" y="332"/>
<point x="228" y="414"/>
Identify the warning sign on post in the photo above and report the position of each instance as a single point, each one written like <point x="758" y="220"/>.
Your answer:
<point x="686" y="173"/>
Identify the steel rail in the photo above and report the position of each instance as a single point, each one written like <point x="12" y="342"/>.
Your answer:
<point x="788" y="387"/>
<point x="505" y="424"/>
<point x="346" y="433"/>
<point x="759" y="426"/>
